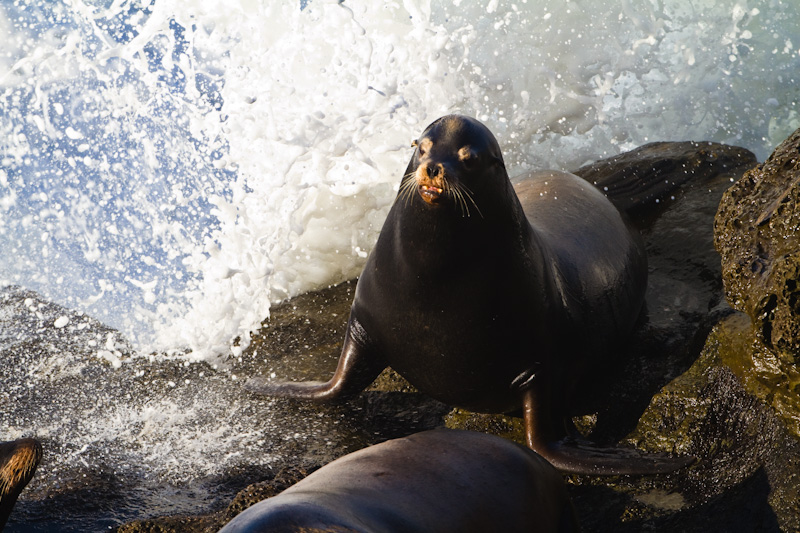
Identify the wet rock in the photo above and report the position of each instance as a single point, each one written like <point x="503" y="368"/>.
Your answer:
<point x="761" y="373"/>
<point x="664" y="166"/>
<point x="757" y="236"/>
<point x="159" y="436"/>
<point x="668" y="391"/>
<point x="212" y="522"/>
<point x="746" y="477"/>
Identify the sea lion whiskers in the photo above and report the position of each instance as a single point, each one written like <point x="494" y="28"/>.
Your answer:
<point x="463" y="194"/>
<point x="459" y="198"/>
<point x="407" y="187"/>
<point x="458" y="194"/>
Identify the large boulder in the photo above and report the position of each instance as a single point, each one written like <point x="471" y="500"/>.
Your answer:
<point x="756" y="233"/>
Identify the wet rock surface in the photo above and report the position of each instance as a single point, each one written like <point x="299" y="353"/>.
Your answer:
<point x="661" y="395"/>
<point x="674" y="389"/>
<point x="757" y="236"/>
<point x="746" y="475"/>
<point x="662" y="166"/>
<point x="129" y="436"/>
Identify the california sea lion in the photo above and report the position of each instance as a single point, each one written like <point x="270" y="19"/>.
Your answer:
<point x="493" y="297"/>
<point x="440" y="480"/>
<point x="18" y="462"/>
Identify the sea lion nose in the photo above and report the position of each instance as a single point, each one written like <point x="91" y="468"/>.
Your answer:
<point x="435" y="170"/>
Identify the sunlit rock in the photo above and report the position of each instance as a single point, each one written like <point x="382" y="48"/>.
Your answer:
<point x="757" y="233"/>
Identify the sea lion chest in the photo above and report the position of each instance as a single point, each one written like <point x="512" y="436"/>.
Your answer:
<point x="456" y="310"/>
<point x="468" y="309"/>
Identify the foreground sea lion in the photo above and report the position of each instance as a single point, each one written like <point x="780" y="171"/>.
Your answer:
<point x="440" y="480"/>
<point x="18" y="462"/>
<point x="493" y="297"/>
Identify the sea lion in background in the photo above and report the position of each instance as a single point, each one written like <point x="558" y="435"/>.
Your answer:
<point x="18" y="462"/>
<point x="492" y="297"/>
<point x="439" y="480"/>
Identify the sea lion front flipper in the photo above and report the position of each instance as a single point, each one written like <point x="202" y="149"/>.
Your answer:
<point x="570" y="456"/>
<point x="358" y="366"/>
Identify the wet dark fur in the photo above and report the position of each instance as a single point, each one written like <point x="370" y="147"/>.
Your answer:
<point x="494" y="297"/>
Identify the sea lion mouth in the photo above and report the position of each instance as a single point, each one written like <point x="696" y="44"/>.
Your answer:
<point x="430" y="193"/>
<point x="431" y="182"/>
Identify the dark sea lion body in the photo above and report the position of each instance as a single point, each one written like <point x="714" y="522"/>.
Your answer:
<point x="440" y="480"/>
<point x="541" y="285"/>
<point x="492" y="297"/>
<point x="18" y="462"/>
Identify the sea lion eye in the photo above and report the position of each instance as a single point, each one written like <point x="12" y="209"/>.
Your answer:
<point x="424" y="146"/>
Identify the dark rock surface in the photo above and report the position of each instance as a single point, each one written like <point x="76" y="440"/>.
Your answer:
<point x="666" y="393"/>
<point x="128" y="436"/>
<point x="757" y="236"/>
<point x="722" y="398"/>
<point x="654" y="170"/>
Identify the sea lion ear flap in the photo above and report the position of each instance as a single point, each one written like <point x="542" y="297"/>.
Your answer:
<point x="415" y="146"/>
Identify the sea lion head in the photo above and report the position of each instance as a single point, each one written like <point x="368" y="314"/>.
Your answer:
<point x="456" y="157"/>
<point x="18" y="462"/>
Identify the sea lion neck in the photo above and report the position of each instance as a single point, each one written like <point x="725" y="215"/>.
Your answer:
<point x="440" y="239"/>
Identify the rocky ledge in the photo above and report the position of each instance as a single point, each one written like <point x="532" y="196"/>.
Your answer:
<point x="756" y="233"/>
<point x="688" y="382"/>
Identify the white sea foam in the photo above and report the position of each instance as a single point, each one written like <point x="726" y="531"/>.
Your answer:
<point x="175" y="169"/>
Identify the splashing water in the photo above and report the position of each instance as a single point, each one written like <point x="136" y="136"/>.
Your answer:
<point x="175" y="167"/>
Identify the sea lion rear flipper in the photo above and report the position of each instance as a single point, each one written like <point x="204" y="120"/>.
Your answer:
<point x="576" y="458"/>
<point x="569" y="455"/>
<point x="358" y="366"/>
